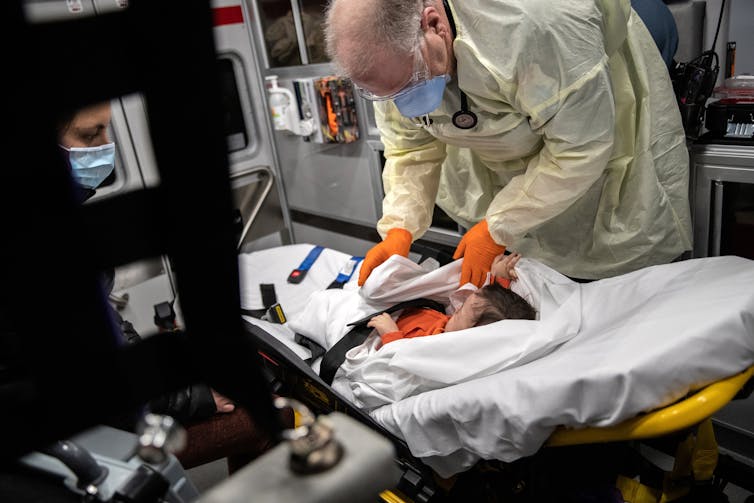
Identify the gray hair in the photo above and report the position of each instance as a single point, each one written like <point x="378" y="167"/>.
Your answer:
<point x="390" y="25"/>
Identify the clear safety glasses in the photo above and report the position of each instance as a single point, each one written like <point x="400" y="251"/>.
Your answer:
<point x="418" y="78"/>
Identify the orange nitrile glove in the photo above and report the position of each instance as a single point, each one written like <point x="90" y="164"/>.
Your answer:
<point x="397" y="242"/>
<point x="478" y="250"/>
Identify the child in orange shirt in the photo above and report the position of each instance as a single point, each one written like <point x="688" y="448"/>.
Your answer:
<point x="490" y="303"/>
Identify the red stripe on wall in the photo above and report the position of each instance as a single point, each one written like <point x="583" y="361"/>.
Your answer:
<point x="227" y="15"/>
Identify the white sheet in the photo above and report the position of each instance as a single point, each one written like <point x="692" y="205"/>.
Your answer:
<point x="646" y="339"/>
<point x="601" y="353"/>
<point x="273" y="266"/>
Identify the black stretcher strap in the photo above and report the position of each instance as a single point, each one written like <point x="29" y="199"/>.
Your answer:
<point x="254" y="313"/>
<point x="269" y="299"/>
<point x="312" y="345"/>
<point x="335" y="356"/>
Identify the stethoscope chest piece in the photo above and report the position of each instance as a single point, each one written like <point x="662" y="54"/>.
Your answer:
<point x="464" y="119"/>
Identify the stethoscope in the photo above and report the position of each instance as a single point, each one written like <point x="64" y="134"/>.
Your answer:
<point x="464" y="118"/>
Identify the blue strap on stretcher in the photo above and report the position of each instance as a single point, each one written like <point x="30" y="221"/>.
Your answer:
<point x="346" y="273"/>
<point x="298" y="274"/>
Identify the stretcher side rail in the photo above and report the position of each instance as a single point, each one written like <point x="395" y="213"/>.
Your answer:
<point x="683" y="414"/>
<point x="321" y="398"/>
<point x="295" y="378"/>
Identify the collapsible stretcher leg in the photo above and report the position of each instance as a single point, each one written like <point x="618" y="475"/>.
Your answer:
<point x="695" y="475"/>
<point x="692" y="475"/>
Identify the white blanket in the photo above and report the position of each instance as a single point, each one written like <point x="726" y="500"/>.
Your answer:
<point x="375" y="375"/>
<point x="645" y="340"/>
<point x="272" y="266"/>
<point x="600" y="353"/>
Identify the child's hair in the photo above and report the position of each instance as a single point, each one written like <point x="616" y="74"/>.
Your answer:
<point x="503" y="304"/>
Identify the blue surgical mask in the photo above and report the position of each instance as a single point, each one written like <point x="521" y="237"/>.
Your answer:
<point x="422" y="100"/>
<point x="91" y="165"/>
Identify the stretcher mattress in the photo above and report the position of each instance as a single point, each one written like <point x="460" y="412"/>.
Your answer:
<point x="599" y="353"/>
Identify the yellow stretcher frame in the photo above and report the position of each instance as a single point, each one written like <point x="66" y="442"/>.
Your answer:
<point x="678" y="416"/>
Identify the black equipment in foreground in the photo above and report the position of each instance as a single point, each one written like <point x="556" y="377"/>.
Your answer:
<point x="67" y="371"/>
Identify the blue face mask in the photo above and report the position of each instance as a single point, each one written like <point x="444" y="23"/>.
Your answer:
<point x="91" y="165"/>
<point x="424" y="99"/>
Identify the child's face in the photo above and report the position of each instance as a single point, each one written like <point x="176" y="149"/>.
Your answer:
<point x="466" y="316"/>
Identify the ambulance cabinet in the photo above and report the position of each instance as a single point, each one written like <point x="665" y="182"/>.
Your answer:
<point x="723" y="199"/>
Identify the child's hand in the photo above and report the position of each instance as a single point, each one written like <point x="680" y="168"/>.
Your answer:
<point x="383" y="323"/>
<point x="503" y="266"/>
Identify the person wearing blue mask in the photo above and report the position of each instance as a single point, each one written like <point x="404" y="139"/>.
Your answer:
<point x="547" y="128"/>
<point x="216" y="428"/>
<point x="84" y="140"/>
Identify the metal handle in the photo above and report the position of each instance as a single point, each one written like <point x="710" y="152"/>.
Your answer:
<point x="306" y="415"/>
<point x="716" y="233"/>
<point x="314" y="447"/>
<point x="159" y="436"/>
<point x="258" y="206"/>
<point x="89" y="473"/>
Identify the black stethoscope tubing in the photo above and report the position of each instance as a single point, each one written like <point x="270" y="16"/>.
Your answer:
<point x="464" y="118"/>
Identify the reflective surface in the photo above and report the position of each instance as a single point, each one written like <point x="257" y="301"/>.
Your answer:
<point x="286" y="29"/>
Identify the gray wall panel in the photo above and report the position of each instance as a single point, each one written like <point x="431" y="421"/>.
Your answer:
<point x="331" y="180"/>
